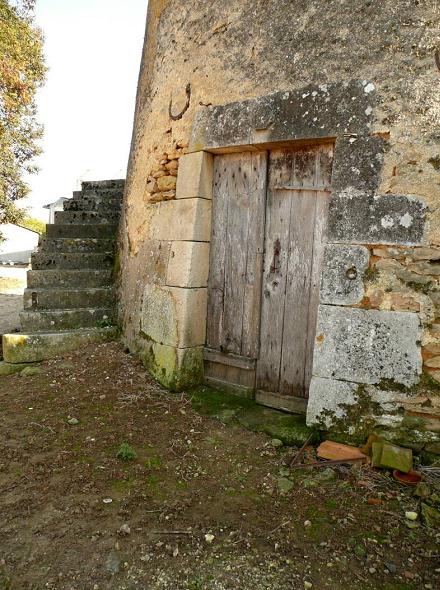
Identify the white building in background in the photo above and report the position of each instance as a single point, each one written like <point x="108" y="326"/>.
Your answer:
<point x="55" y="206"/>
<point x="17" y="244"/>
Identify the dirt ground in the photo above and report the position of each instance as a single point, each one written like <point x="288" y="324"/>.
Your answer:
<point x="12" y="285"/>
<point x="203" y="506"/>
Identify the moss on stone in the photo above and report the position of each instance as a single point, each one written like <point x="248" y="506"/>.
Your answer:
<point x="174" y="368"/>
<point x="228" y="408"/>
<point x="10" y="368"/>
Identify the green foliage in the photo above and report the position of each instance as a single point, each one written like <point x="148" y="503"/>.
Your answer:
<point x="22" y="72"/>
<point x="153" y="463"/>
<point x="126" y="452"/>
<point x="104" y="323"/>
<point x="33" y="224"/>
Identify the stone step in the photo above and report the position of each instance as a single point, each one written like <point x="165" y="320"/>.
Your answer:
<point x="96" y="193"/>
<point x="86" y="217"/>
<point x="31" y="348"/>
<point x="76" y="245"/>
<point x="100" y="204"/>
<point x="68" y="278"/>
<point x="64" y="319"/>
<point x="84" y="230"/>
<point x="43" y="260"/>
<point x="118" y="183"/>
<point x="68" y="298"/>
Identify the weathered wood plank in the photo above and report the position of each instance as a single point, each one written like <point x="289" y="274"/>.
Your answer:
<point x="274" y="272"/>
<point x="236" y="252"/>
<point x="302" y="222"/>
<point x="240" y="390"/>
<point x="229" y="359"/>
<point x="324" y="170"/>
<point x="288" y="403"/>
<point x="254" y="256"/>
<point x="289" y="314"/>
<point x="217" y="253"/>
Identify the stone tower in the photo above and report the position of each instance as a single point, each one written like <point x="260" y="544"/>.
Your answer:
<point x="325" y="114"/>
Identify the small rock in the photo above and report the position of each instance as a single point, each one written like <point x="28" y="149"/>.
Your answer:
<point x="430" y="515"/>
<point x="209" y="538"/>
<point x="327" y="474"/>
<point x="372" y="570"/>
<point x="360" y="551"/>
<point x="276" y="443"/>
<point x="30" y="371"/>
<point x="66" y="366"/>
<point x="391" y="567"/>
<point x="411" y="515"/>
<point x="73" y="421"/>
<point x="422" y="490"/>
<point x="307" y="523"/>
<point x="124" y="529"/>
<point x="113" y="563"/>
<point x="284" y="484"/>
<point x="107" y="500"/>
<point x="307" y="585"/>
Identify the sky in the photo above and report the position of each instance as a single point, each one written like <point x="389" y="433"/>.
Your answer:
<point x="93" y="51"/>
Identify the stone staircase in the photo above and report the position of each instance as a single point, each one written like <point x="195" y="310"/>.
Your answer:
<point x="70" y="295"/>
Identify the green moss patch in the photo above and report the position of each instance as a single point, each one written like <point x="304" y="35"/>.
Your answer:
<point x="228" y="408"/>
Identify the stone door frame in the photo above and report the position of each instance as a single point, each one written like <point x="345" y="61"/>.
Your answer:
<point x="358" y="216"/>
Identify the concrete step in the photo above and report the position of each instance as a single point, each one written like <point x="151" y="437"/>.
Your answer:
<point x="43" y="260"/>
<point x="68" y="278"/>
<point x="100" y="204"/>
<point x="31" y="347"/>
<point x="78" y="230"/>
<point x="86" y="217"/>
<point x="68" y="298"/>
<point x="64" y="319"/>
<point x="76" y="245"/>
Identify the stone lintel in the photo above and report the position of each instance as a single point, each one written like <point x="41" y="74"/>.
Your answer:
<point x="313" y="112"/>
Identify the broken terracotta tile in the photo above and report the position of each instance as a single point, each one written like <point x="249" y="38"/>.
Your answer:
<point x="337" y="451"/>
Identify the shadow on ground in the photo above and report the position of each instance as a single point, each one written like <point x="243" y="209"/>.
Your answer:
<point x="200" y="502"/>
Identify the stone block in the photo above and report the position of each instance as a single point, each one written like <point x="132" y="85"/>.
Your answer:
<point x="174" y="316"/>
<point x="342" y="274"/>
<point x="182" y="219"/>
<point x="358" y="162"/>
<point x="195" y="176"/>
<point x="29" y="348"/>
<point x="188" y="264"/>
<point x="366" y="346"/>
<point x="174" y="368"/>
<point x="314" y="111"/>
<point x="392" y="457"/>
<point x="328" y="400"/>
<point x="166" y="183"/>
<point x="10" y="368"/>
<point x="357" y="217"/>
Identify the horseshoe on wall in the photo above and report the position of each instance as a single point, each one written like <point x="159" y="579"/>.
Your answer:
<point x="185" y="108"/>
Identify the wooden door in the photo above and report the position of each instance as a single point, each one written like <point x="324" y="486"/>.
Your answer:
<point x="236" y="260"/>
<point x="297" y="204"/>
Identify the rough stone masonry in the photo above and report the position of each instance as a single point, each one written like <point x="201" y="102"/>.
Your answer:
<point x="247" y="74"/>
